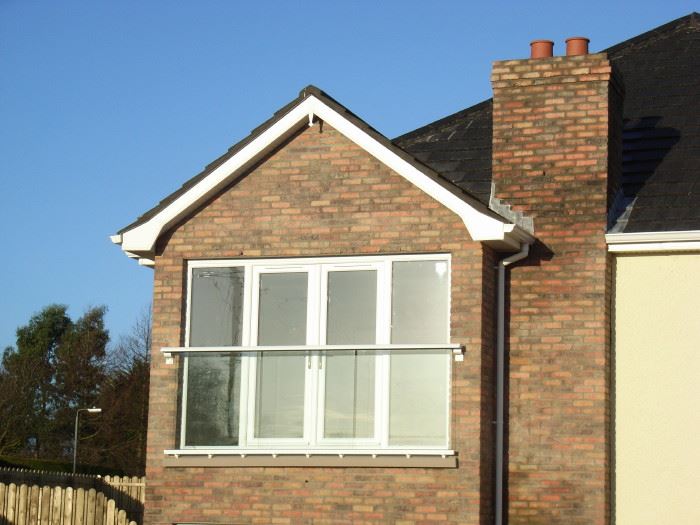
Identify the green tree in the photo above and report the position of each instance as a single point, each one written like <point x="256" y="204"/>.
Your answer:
<point x="28" y="370"/>
<point x="56" y="367"/>
<point x="79" y="377"/>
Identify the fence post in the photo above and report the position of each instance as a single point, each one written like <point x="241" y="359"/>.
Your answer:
<point x="34" y="502"/>
<point x="91" y="503"/>
<point x="110" y="512"/>
<point x="45" y="505"/>
<point x="22" y="506"/>
<point x="68" y="506"/>
<point x="112" y="500"/>
<point x="57" y="506"/>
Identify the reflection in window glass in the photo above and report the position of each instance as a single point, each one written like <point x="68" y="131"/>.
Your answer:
<point x="213" y="397"/>
<point x="282" y="309"/>
<point x="352" y="307"/>
<point x="349" y="397"/>
<point x="280" y="376"/>
<point x="216" y="307"/>
<point x="340" y="395"/>
<point x="349" y="376"/>
<point x="418" y="382"/>
<point x="419" y="302"/>
<point x="280" y="395"/>
<point x="418" y="398"/>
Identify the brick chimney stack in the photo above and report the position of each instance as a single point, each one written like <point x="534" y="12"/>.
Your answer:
<point x="556" y="156"/>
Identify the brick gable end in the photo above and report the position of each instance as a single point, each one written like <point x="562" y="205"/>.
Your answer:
<point x="320" y="194"/>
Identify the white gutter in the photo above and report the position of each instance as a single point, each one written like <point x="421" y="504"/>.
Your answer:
<point x="500" y="375"/>
<point x="672" y="241"/>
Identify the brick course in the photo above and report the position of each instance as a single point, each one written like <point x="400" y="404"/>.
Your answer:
<point x="319" y="194"/>
<point x="556" y="150"/>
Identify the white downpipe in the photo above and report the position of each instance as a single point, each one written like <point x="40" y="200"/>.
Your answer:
<point x="500" y="374"/>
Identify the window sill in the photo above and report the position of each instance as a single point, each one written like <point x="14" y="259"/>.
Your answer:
<point x="383" y="459"/>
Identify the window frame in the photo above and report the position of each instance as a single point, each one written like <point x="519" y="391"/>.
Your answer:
<point x="313" y="440"/>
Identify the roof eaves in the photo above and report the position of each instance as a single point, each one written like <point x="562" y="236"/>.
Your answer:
<point x="144" y="217"/>
<point x="303" y="94"/>
<point x="483" y="223"/>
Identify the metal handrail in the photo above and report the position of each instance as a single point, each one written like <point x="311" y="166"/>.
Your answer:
<point x="168" y="351"/>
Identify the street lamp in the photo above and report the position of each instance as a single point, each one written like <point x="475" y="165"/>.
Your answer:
<point x="92" y="410"/>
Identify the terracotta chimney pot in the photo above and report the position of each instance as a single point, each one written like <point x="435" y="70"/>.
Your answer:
<point x="541" y="48"/>
<point x="577" y="45"/>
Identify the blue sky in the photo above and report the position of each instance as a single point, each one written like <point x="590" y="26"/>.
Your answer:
<point x="106" y="107"/>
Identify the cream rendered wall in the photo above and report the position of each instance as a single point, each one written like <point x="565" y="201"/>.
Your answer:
<point x="657" y="375"/>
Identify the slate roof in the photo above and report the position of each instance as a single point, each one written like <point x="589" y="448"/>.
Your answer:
<point x="661" y="150"/>
<point x="661" y="138"/>
<point x="458" y="147"/>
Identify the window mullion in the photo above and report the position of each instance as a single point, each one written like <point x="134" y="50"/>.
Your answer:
<point x="312" y="338"/>
<point x="185" y="361"/>
<point x="322" y="340"/>
<point x="252" y="360"/>
<point x="245" y="420"/>
<point x="383" y="337"/>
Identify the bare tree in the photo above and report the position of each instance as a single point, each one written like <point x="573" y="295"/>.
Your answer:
<point x="135" y="346"/>
<point x="121" y="439"/>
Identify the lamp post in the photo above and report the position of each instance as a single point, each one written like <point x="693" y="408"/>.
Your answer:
<point x="92" y="410"/>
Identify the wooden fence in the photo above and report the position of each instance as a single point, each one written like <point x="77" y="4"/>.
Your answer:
<point x="42" y="498"/>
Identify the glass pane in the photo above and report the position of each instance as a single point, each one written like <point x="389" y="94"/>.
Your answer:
<point x="212" y="408"/>
<point x="280" y="375"/>
<point x="418" y="399"/>
<point x="419" y="302"/>
<point x="280" y="395"/>
<point x="352" y="307"/>
<point x="349" y="376"/>
<point x="349" y="399"/>
<point x="216" y="307"/>
<point x="282" y="309"/>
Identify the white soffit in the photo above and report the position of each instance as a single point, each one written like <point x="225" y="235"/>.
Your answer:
<point x="140" y="241"/>
<point x="678" y="241"/>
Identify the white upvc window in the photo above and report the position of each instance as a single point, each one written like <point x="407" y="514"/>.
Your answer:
<point x="318" y="354"/>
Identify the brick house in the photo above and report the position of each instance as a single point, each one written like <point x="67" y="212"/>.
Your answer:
<point x="458" y="325"/>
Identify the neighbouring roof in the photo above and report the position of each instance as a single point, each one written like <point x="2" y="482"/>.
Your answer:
<point x="661" y="138"/>
<point x="458" y="147"/>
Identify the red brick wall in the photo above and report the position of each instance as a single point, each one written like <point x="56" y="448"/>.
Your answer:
<point x="321" y="195"/>
<point x="552" y="153"/>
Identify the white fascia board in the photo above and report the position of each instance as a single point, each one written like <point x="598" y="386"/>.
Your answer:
<point x="143" y="237"/>
<point x="481" y="227"/>
<point x="673" y="241"/>
<point x="655" y="247"/>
